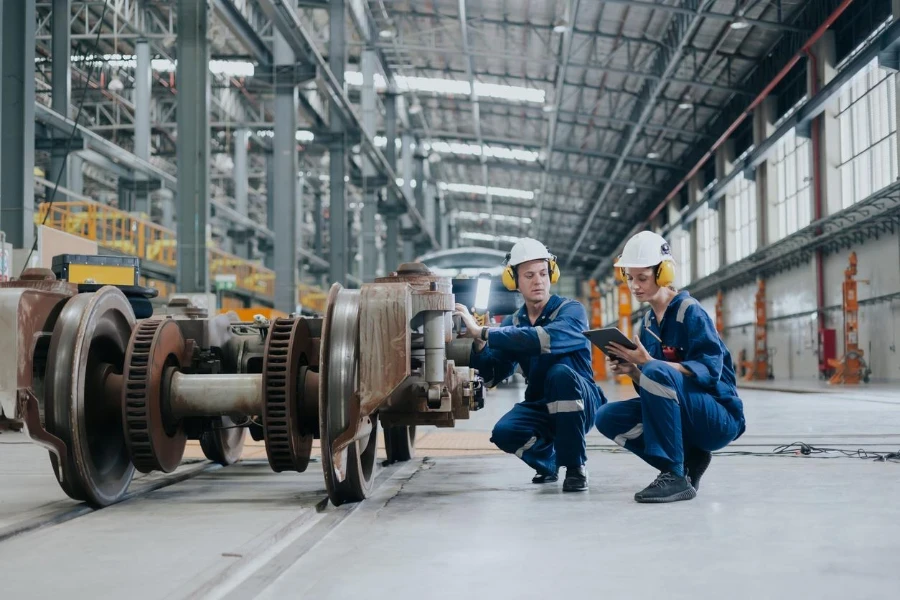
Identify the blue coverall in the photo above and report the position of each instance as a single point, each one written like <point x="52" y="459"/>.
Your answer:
<point x="547" y="430"/>
<point x="674" y="412"/>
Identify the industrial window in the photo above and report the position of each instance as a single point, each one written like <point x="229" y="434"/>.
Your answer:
<point x="741" y="203"/>
<point x="707" y="241"/>
<point x="867" y="113"/>
<point x="680" y="241"/>
<point x="791" y="203"/>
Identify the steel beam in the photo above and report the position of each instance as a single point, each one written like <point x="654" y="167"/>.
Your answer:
<point x="241" y="187"/>
<point x="665" y="63"/>
<point x="285" y="18"/>
<point x="192" y="76"/>
<point x="17" y="48"/>
<point x="686" y="9"/>
<point x="285" y="181"/>
<point x="142" y="80"/>
<point x="61" y="81"/>
<point x="241" y="29"/>
<point x="370" y="202"/>
<point x="337" y="211"/>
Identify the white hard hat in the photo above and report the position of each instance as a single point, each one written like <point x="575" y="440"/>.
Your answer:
<point x="528" y="249"/>
<point x="644" y="249"/>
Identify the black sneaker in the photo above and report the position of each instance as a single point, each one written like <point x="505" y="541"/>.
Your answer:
<point x="696" y="462"/>
<point x="576" y="479"/>
<point x="668" y="487"/>
<point x="545" y="478"/>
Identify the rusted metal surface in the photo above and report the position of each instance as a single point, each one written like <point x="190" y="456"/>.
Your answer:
<point x="429" y="291"/>
<point x="224" y="444"/>
<point x="31" y="419"/>
<point x="288" y="440"/>
<point x="214" y="395"/>
<point x="87" y="348"/>
<point x="155" y="439"/>
<point x="28" y="312"/>
<point x="384" y="361"/>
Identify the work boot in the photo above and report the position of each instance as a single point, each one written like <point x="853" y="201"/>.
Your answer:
<point x="667" y="487"/>
<point x="576" y="479"/>
<point x="696" y="462"/>
<point x="545" y="477"/>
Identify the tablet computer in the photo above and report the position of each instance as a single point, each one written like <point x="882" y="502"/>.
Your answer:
<point x="602" y="337"/>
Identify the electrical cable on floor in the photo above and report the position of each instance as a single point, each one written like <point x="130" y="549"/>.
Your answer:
<point x="796" y="449"/>
<point x="71" y="138"/>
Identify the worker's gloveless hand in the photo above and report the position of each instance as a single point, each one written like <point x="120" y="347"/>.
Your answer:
<point x="639" y="356"/>
<point x="473" y="329"/>
<point x="623" y="368"/>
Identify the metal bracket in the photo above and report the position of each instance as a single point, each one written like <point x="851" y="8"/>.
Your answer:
<point x="31" y="417"/>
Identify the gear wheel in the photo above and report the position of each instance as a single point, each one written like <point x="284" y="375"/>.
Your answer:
<point x="155" y="442"/>
<point x="288" y="441"/>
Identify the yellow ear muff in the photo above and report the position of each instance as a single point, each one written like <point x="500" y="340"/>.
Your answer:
<point x="665" y="273"/>
<point x="554" y="271"/>
<point x="509" y="279"/>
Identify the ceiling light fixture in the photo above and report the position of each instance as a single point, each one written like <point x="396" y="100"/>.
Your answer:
<point x="652" y="155"/>
<point x="386" y="34"/>
<point x="739" y="23"/>
<point x="685" y="105"/>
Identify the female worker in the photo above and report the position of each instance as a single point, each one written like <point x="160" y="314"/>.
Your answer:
<point x="688" y="405"/>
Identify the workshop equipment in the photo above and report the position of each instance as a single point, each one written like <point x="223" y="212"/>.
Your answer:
<point x="108" y="393"/>
<point x="851" y="368"/>
<point x="720" y="317"/>
<point x="760" y="368"/>
<point x="598" y="359"/>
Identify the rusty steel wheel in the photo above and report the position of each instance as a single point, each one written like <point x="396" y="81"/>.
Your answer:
<point x="224" y="444"/>
<point x="349" y="473"/>
<point x="400" y="443"/>
<point x="83" y="379"/>
<point x="155" y="439"/>
<point x="288" y="435"/>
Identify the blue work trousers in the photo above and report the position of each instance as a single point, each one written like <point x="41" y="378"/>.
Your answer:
<point x="671" y="415"/>
<point x="550" y="432"/>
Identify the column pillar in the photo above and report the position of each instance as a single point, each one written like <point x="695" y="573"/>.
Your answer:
<point x="370" y="201"/>
<point x="61" y="81"/>
<point x="391" y="209"/>
<point x="764" y="126"/>
<point x="17" y="124"/>
<point x="192" y="75"/>
<point x="337" y="50"/>
<point x="724" y="157"/>
<point x="285" y="181"/>
<point x="241" y="190"/>
<point x="142" y="81"/>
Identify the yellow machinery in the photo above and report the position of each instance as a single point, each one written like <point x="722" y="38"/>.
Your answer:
<point x="851" y="368"/>
<point x="139" y="237"/>
<point x="598" y="359"/>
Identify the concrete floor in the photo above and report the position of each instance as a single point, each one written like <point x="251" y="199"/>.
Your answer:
<point x="473" y="526"/>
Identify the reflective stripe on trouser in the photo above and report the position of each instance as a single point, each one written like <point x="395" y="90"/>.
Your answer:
<point x="551" y="432"/>
<point x="671" y="413"/>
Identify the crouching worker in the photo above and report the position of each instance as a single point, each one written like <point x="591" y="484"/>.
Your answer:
<point x="688" y="405"/>
<point x="545" y="338"/>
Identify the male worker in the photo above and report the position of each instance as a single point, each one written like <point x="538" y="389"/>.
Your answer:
<point x="545" y="338"/>
<point x="687" y="404"/>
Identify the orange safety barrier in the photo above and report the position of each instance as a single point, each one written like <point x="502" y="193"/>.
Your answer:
<point x="118" y="230"/>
